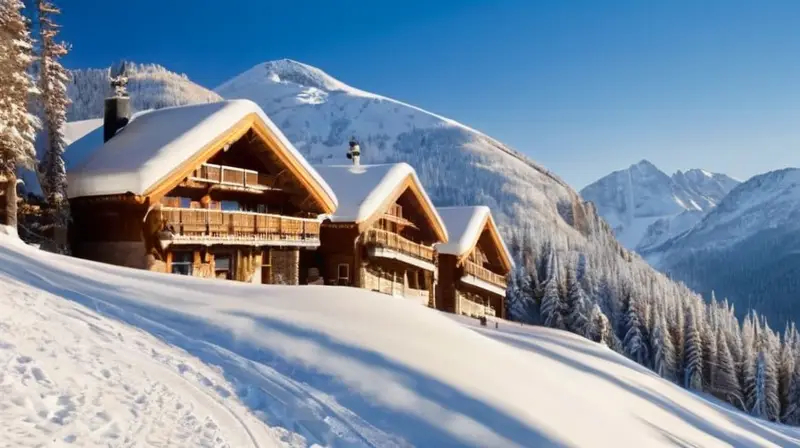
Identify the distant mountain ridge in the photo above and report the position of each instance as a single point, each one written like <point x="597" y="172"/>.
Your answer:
<point x="151" y="86"/>
<point x="647" y="207"/>
<point x="746" y="249"/>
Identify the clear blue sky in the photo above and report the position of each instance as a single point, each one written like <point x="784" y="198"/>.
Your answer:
<point x="583" y="87"/>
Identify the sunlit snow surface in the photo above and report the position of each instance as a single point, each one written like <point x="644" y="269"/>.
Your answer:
<point x="96" y="355"/>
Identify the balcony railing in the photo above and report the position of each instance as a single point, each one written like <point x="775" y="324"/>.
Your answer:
<point x="207" y="224"/>
<point x="231" y="176"/>
<point x="469" y="308"/>
<point x="484" y="274"/>
<point x="390" y="240"/>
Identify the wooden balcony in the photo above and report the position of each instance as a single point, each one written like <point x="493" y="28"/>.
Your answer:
<point x="484" y="274"/>
<point x="393" y="241"/>
<point x="222" y="226"/>
<point x="470" y="308"/>
<point x="232" y="177"/>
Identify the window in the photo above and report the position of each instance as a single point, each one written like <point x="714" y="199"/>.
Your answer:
<point x="182" y="262"/>
<point x="344" y="274"/>
<point x="222" y="266"/>
<point x="230" y="205"/>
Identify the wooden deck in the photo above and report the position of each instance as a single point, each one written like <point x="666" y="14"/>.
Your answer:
<point x="390" y="240"/>
<point x="484" y="274"/>
<point x="206" y="224"/>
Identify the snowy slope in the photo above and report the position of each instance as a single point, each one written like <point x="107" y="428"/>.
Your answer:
<point x="746" y="249"/>
<point x="97" y="355"/>
<point x="646" y="207"/>
<point x="150" y="86"/>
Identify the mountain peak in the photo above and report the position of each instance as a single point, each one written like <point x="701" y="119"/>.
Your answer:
<point x="644" y="163"/>
<point x="291" y="71"/>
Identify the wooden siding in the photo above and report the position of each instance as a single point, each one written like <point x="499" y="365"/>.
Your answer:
<point x="446" y="285"/>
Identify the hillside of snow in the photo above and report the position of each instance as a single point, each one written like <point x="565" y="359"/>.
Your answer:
<point x="98" y="355"/>
<point x="746" y="249"/>
<point x="646" y="207"/>
<point x="150" y="86"/>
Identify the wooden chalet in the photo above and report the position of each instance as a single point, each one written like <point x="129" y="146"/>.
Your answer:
<point x="210" y="190"/>
<point x="474" y="265"/>
<point x="381" y="237"/>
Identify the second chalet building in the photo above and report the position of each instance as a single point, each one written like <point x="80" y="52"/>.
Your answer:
<point x="473" y="265"/>
<point x="210" y="190"/>
<point x="383" y="233"/>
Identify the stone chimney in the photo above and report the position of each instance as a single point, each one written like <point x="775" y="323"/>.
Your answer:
<point x="117" y="110"/>
<point x="355" y="152"/>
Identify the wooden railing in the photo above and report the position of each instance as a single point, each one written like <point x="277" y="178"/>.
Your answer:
<point x="190" y="223"/>
<point x="228" y="175"/>
<point x="390" y="240"/>
<point x="484" y="274"/>
<point x="469" y="308"/>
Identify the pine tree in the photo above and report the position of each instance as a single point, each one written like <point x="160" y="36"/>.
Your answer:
<point x="791" y="414"/>
<point x="747" y="368"/>
<point x="17" y="126"/>
<point x="53" y="79"/>
<point x="577" y="319"/>
<point x="786" y="366"/>
<point x="553" y="307"/>
<point x="693" y="352"/>
<point x="726" y="384"/>
<point x="599" y="328"/>
<point x="634" y="341"/>
<point x="663" y="351"/>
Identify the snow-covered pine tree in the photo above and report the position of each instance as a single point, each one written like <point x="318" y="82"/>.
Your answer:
<point x="600" y="328"/>
<point x="663" y="351"/>
<point x="786" y="365"/>
<point x="53" y="79"/>
<point x="791" y="414"/>
<point x="676" y="328"/>
<point x="747" y="368"/>
<point x="708" y="322"/>
<point x="634" y="342"/>
<point x="553" y="307"/>
<point x="773" y="349"/>
<point x="17" y="125"/>
<point x="577" y="318"/>
<point x="726" y="384"/>
<point x="693" y="351"/>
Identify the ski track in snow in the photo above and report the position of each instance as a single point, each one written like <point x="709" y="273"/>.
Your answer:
<point x="148" y="395"/>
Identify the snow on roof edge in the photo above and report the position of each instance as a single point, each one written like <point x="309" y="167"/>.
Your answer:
<point x="477" y="216"/>
<point x="382" y="181"/>
<point x="89" y="180"/>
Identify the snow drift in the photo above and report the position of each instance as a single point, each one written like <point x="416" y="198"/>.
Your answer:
<point x="98" y="355"/>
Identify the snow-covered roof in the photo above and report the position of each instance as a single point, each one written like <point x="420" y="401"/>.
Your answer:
<point x="465" y="225"/>
<point x="154" y="144"/>
<point x="362" y="190"/>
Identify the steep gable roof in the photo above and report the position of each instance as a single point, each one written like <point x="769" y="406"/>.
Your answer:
<point x="465" y="225"/>
<point x="157" y="144"/>
<point x="364" y="190"/>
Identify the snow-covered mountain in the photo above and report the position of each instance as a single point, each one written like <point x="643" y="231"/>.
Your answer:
<point x="458" y="165"/>
<point x="746" y="249"/>
<point x="646" y="207"/>
<point x="151" y="86"/>
<point x="96" y="355"/>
